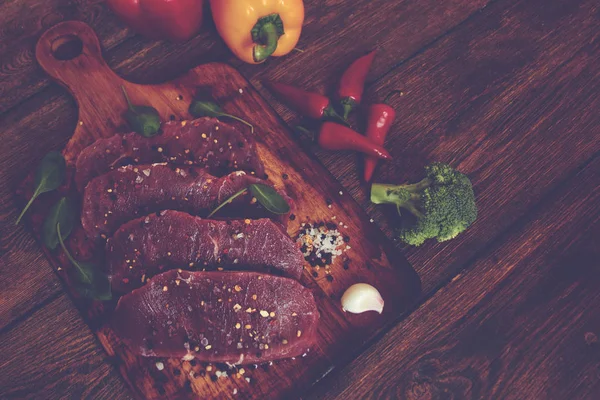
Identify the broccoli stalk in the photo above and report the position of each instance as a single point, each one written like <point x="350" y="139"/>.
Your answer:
<point x="443" y="204"/>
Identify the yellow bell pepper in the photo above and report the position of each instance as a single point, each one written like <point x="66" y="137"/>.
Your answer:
<point x="254" y="30"/>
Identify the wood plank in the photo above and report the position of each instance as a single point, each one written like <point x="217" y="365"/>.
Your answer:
<point x="26" y="276"/>
<point x="510" y="98"/>
<point x="522" y="323"/>
<point x="23" y="22"/>
<point x="329" y="31"/>
<point x="68" y="363"/>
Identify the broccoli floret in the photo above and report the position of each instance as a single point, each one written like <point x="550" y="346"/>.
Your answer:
<point x="443" y="204"/>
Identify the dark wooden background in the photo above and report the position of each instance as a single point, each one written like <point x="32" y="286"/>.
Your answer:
<point x="506" y="90"/>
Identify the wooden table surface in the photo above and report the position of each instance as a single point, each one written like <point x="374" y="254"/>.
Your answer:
<point x="508" y="91"/>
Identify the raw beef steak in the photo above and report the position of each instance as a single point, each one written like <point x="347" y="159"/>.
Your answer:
<point x="170" y="239"/>
<point x="234" y="317"/>
<point x="204" y="142"/>
<point x="129" y="192"/>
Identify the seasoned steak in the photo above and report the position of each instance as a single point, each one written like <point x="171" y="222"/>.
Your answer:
<point x="234" y="317"/>
<point x="129" y="192"/>
<point x="204" y="142"/>
<point x="159" y="242"/>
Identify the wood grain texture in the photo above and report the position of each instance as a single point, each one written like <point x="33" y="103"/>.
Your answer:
<point x="21" y="24"/>
<point x="459" y="78"/>
<point x="38" y="365"/>
<point x="330" y="29"/>
<point x="522" y="322"/>
<point x="25" y="274"/>
<point x="371" y="257"/>
<point x="510" y="98"/>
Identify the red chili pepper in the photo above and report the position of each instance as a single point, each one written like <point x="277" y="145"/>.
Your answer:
<point x="379" y="121"/>
<point x="310" y="104"/>
<point x="352" y="83"/>
<point x="334" y="136"/>
<point x="176" y="20"/>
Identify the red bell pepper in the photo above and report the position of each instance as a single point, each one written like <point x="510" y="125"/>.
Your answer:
<point x="176" y="20"/>
<point x="380" y="118"/>
<point x="352" y="83"/>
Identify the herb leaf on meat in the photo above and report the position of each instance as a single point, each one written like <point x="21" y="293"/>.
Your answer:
<point x="89" y="281"/>
<point x="61" y="213"/>
<point x="49" y="175"/>
<point x="269" y="198"/>
<point x="266" y="195"/>
<point x="227" y="201"/>
<point x="142" y="119"/>
<point x="211" y="109"/>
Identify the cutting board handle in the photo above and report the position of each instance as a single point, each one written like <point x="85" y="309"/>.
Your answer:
<point x="69" y="50"/>
<point x="70" y="53"/>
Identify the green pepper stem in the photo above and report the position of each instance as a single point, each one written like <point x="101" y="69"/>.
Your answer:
<point x="269" y="37"/>
<point x="347" y="110"/>
<point x="330" y="114"/>
<point x="348" y="104"/>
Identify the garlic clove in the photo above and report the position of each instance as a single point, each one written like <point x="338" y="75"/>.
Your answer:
<point x="362" y="297"/>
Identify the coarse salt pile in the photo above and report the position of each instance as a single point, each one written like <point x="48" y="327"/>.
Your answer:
<point x="320" y="243"/>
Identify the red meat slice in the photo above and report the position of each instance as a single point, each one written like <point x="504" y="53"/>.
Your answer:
<point x="204" y="142"/>
<point x="129" y="192"/>
<point x="150" y="245"/>
<point x="234" y="317"/>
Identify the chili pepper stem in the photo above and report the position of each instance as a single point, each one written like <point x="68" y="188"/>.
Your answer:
<point x="330" y="114"/>
<point x="269" y="36"/>
<point x="347" y="106"/>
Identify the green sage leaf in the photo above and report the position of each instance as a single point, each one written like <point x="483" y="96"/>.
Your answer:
<point x="49" y="175"/>
<point x="85" y="270"/>
<point x="144" y="120"/>
<point x="89" y="281"/>
<point x="99" y="290"/>
<point x="269" y="198"/>
<point x="63" y="213"/>
<point x="211" y="109"/>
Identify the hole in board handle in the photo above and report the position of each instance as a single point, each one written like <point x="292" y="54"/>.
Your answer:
<point x="66" y="47"/>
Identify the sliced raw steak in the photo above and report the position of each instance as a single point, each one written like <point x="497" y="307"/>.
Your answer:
<point x="172" y="239"/>
<point x="234" y="317"/>
<point x="129" y="192"/>
<point x="204" y="142"/>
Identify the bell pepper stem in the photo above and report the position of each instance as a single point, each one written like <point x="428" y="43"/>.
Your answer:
<point x="269" y="37"/>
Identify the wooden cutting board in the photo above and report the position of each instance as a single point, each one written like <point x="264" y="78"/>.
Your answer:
<point x="370" y="256"/>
